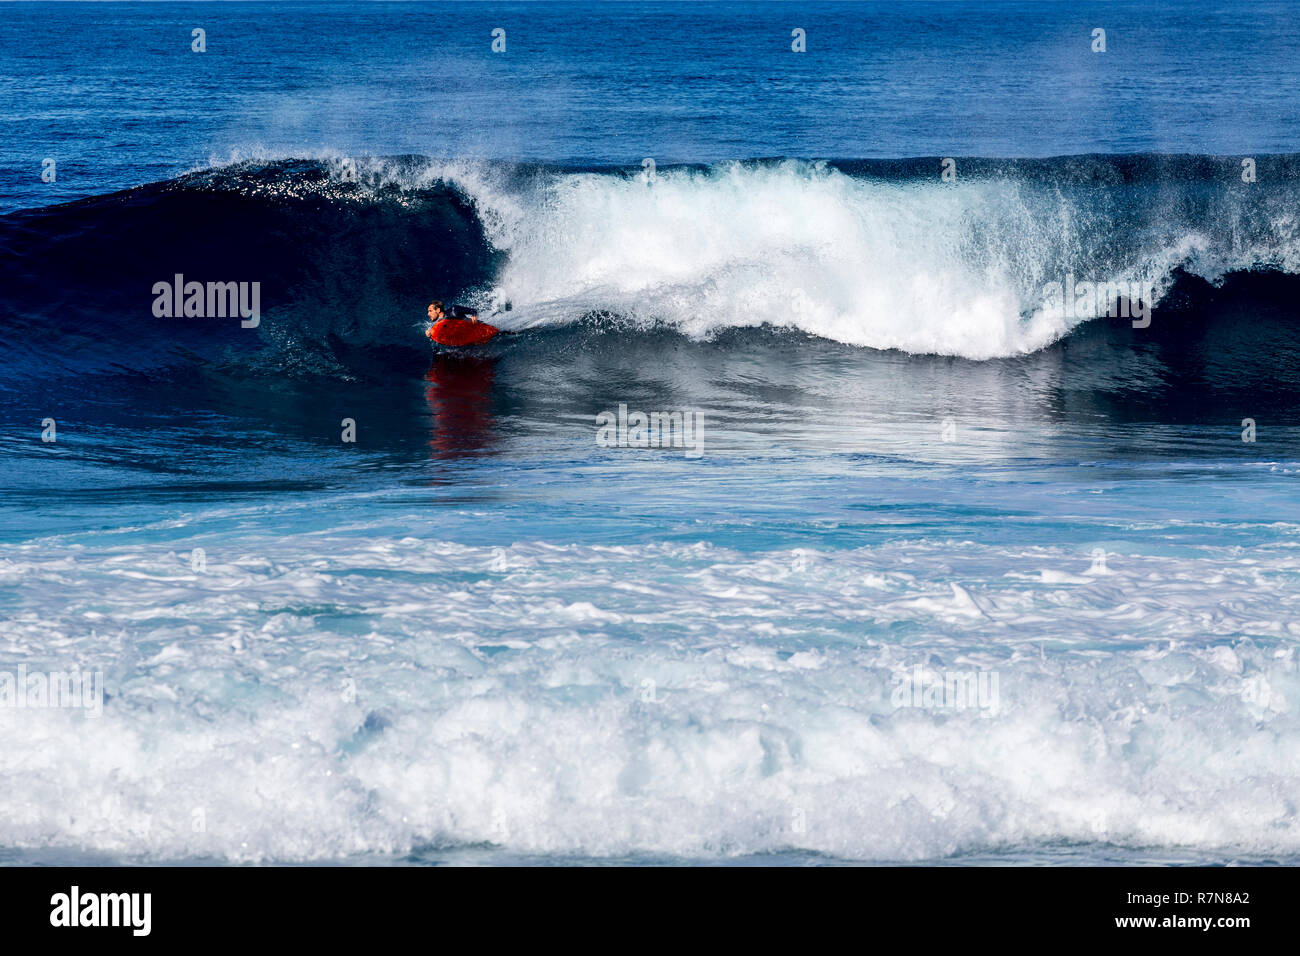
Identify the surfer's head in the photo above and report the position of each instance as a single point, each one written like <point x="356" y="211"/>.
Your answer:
<point x="435" y="310"/>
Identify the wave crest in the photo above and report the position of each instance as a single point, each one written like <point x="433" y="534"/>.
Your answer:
<point x="883" y="254"/>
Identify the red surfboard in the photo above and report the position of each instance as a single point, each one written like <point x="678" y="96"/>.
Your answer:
<point x="457" y="332"/>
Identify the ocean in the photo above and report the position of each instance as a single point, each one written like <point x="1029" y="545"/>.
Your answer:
<point x="895" y="459"/>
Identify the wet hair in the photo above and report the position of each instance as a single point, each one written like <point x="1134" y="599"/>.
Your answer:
<point x="437" y="304"/>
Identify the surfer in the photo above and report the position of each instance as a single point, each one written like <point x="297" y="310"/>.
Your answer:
<point x="457" y="326"/>
<point x="438" y="311"/>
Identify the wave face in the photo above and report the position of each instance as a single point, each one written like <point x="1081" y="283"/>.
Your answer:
<point x="339" y="266"/>
<point x="883" y="254"/>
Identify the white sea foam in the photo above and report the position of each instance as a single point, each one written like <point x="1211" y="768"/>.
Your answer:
<point x="927" y="267"/>
<point x="314" y="695"/>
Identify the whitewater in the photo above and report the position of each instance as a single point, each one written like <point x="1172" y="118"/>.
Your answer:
<point x="331" y="690"/>
<point x="869" y="254"/>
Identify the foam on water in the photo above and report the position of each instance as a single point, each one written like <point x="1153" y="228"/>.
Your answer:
<point x="922" y="266"/>
<point x="314" y="695"/>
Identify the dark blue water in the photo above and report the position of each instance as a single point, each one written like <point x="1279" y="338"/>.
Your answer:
<point x="117" y="96"/>
<point x="477" y="632"/>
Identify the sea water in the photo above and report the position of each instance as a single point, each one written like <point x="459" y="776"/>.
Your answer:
<point x="956" y="573"/>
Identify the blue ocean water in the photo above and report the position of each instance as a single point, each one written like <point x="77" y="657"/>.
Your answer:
<point x="951" y="570"/>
